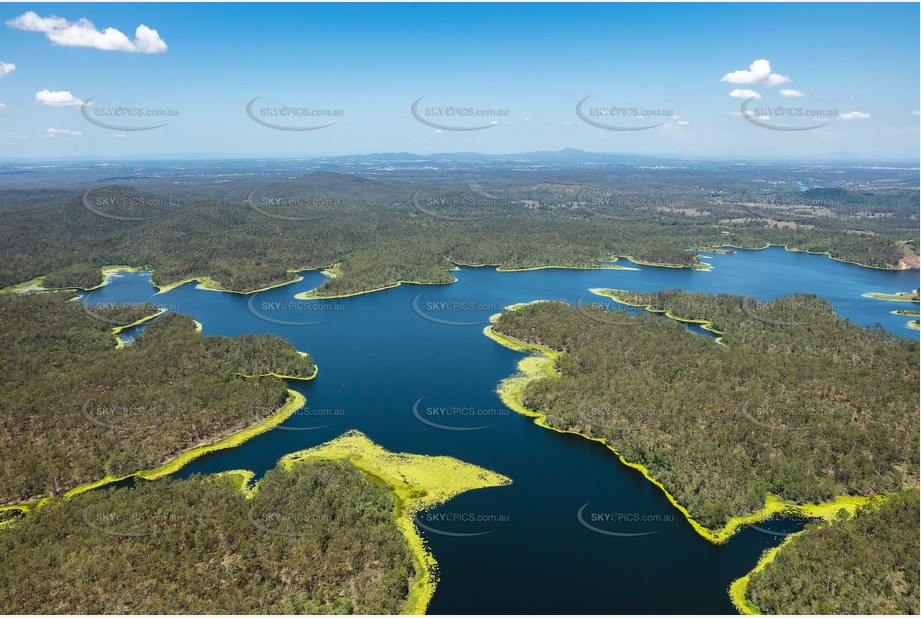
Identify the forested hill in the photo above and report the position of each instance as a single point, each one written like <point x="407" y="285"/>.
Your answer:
<point x="865" y="565"/>
<point x="74" y="409"/>
<point x="250" y="235"/>
<point x="318" y="538"/>
<point x="799" y="404"/>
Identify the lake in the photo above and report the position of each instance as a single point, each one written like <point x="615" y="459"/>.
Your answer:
<point x="411" y="368"/>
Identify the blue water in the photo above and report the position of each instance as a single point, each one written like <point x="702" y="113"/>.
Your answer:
<point x="523" y="548"/>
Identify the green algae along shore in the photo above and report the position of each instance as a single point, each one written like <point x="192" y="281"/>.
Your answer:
<point x="295" y="402"/>
<point x="535" y="367"/>
<point x="378" y="563"/>
<point x="418" y="481"/>
<point x="541" y="364"/>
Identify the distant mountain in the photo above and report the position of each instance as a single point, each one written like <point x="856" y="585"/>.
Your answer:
<point x="566" y="155"/>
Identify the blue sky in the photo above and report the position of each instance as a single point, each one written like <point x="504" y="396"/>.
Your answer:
<point x="852" y="68"/>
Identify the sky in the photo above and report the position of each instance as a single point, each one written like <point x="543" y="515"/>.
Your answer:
<point x="816" y="80"/>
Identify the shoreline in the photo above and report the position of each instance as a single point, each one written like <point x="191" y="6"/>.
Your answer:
<point x="534" y="367"/>
<point x="738" y="589"/>
<point x="294" y="402"/>
<point x="116" y="330"/>
<point x="35" y="283"/>
<point x="895" y="297"/>
<point x="601" y="266"/>
<point x="207" y="283"/>
<point x="701" y="266"/>
<point x="18" y="288"/>
<point x="316" y="370"/>
<point x="418" y="482"/>
<point x="332" y="272"/>
<point x="806" y="251"/>
<point x="704" y="324"/>
<point x="311" y="294"/>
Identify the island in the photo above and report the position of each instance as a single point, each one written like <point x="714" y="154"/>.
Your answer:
<point x="908" y="297"/>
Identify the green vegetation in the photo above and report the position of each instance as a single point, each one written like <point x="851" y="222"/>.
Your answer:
<point x="911" y="297"/>
<point x="74" y="409"/>
<point x="418" y="482"/>
<point x="867" y="564"/>
<point x="329" y="530"/>
<point x="380" y="238"/>
<point x="799" y="404"/>
<point x="314" y="538"/>
<point x="74" y="276"/>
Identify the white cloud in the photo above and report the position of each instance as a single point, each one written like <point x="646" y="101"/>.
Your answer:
<point x="744" y="93"/>
<point x="3" y="107"/>
<point x="59" y="98"/>
<point x="66" y="132"/>
<point x="854" y="116"/>
<point x="916" y="114"/>
<point x="683" y="123"/>
<point x="82" y="33"/>
<point x="759" y="72"/>
<point x="119" y="135"/>
<point x="148" y="41"/>
<point x="31" y="22"/>
<point x="789" y="92"/>
<point x="6" y="68"/>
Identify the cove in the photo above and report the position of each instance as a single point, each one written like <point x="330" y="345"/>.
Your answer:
<point x="391" y="360"/>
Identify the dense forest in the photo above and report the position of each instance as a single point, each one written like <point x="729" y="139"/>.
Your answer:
<point x="867" y="564"/>
<point x="385" y="232"/>
<point x="316" y="538"/>
<point x="799" y="403"/>
<point x="74" y="409"/>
